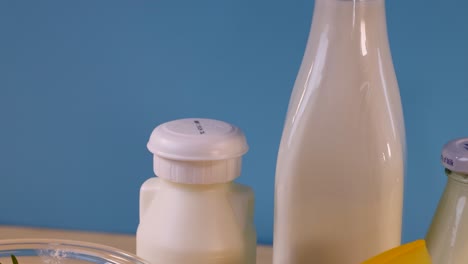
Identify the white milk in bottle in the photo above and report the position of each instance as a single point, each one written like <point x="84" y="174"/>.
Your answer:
<point x="193" y="212"/>
<point x="340" y="167"/>
<point x="447" y="237"/>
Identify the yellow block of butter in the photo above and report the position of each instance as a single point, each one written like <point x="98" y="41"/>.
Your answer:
<point x="410" y="253"/>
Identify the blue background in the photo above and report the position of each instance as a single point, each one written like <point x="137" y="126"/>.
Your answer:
<point x="83" y="83"/>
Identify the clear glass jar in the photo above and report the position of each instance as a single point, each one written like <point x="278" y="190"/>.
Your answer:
<point x="53" y="251"/>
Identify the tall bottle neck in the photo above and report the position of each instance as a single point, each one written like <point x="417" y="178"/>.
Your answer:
<point x="355" y="22"/>
<point x="358" y="8"/>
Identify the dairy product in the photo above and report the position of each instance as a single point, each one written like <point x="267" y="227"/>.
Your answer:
<point x="340" y="168"/>
<point x="193" y="212"/>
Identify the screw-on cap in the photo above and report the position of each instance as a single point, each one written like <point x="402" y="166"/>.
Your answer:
<point x="197" y="151"/>
<point x="455" y="155"/>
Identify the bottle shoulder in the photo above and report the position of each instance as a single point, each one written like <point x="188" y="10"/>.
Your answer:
<point x="242" y="189"/>
<point x="150" y="184"/>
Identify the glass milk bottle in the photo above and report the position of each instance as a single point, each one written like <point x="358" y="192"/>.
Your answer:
<point x="340" y="166"/>
<point x="193" y="212"/>
<point x="447" y="238"/>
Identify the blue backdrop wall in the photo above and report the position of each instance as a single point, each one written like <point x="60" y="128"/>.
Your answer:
<point x="83" y="83"/>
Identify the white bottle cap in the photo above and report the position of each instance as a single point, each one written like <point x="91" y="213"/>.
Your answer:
<point x="197" y="151"/>
<point x="455" y="155"/>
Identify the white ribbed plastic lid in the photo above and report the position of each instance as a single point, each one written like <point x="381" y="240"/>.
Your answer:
<point x="455" y="155"/>
<point x="197" y="151"/>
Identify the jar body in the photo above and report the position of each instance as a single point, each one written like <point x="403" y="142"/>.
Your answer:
<point x="199" y="224"/>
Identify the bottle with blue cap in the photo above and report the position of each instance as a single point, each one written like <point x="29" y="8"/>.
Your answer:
<point x="193" y="212"/>
<point x="447" y="238"/>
